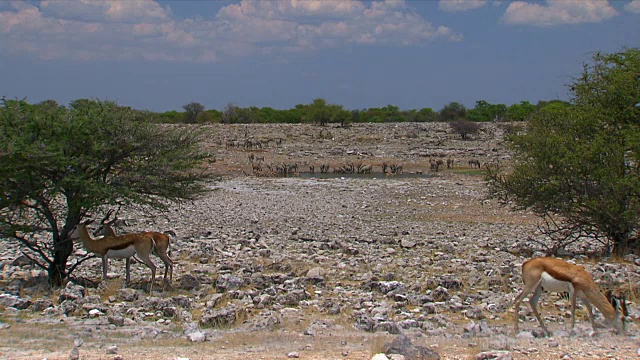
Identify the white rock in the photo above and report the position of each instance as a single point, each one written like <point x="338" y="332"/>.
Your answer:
<point x="380" y="356"/>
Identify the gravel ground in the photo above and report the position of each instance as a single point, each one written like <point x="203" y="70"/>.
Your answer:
<point x="320" y="266"/>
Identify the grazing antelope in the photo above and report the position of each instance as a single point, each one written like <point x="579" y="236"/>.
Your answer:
<point x="474" y="163"/>
<point x="162" y="242"/>
<point x="551" y="274"/>
<point x="119" y="247"/>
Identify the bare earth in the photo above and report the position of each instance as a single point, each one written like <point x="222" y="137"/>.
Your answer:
<point x="433" y="234"/>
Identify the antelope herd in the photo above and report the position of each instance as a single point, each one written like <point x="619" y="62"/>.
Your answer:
<point x="262" y="169"/>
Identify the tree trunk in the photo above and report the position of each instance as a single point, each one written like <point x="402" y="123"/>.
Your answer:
<point x="58" y="268"/>
<point x="621" y="243"/>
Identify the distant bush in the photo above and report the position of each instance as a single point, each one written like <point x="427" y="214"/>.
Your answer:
<point x="464" y="128"/>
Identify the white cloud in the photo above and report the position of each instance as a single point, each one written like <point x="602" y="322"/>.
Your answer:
<point x="558" y="12"/>
<point x="633" y="6"/>
<point x="460" y="5"/>
<point x="142" y="29"/>
<point x="105" y="10"/>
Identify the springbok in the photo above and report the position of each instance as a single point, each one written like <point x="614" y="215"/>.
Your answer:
<point x="119" y="247"/>
<point x="162" y="242"/>
<point x="551" y="274"/>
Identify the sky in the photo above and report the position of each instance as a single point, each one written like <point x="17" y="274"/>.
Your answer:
<point x="161" y="55"/>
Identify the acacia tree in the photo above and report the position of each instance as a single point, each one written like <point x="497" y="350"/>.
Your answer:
<point x="191" y="112"/>
<point x="577" y="166"/>
<point x="452" y="111"/>
<point x="60" y="164"/>
<point x="464" y="128"/>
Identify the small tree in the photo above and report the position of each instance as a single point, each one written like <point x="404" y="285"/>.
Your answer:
<point x="319" y="112"/>
<point x="60" y="164"/>
<point x="230" y="114"/>
<point x="452" y="111"/>
<point x="464" y="128"/>
<point x="577" y="166"/>
<point x="192" y="110"/>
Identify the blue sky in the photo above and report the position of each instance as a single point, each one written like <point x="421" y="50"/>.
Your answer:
<point x="160" y="55"/>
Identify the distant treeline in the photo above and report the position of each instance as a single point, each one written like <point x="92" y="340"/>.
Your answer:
<point x="318" y="111"/>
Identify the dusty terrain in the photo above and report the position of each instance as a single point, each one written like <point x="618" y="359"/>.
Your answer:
<point x="320" y="266"/>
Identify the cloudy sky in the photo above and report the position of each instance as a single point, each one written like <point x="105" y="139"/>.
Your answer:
<point x="160" y="55"/>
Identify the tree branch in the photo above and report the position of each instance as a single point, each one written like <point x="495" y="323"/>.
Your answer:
<point x="78" y="262"/>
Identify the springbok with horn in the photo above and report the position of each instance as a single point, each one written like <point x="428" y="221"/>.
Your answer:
<point x="119" y="247"/>
<point x="162" y="241"/>
<point x="551" y="274"/>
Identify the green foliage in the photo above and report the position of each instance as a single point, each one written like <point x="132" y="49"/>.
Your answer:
<point x="61" y="164"/>
<point x="453" y="111"/>
<point x="426" y="115"/>
<point x="483" y="111"/>
<point x="191" y="112"/>
<point x="520" y="112"/>
<point x="320" y="112"/>
<point x="169" y="117"/>
<point x="577" y="164"/>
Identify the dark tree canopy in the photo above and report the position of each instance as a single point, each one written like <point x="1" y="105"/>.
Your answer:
<point x="191" y="112"/>
<point x="453" y="111"/>
<point x="59" y="164"/>
<point x="464" y="128"/>
<point x="577" y="164"/>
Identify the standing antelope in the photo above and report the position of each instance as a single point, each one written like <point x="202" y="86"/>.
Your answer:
<point x="161" y="242"/>
<point x="551" y="274"/>
<point x="119" y="247"/>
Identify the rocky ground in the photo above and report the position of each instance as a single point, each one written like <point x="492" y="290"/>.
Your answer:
<point x="320" y="266"/>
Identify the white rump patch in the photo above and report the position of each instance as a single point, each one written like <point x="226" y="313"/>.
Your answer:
<point x="129" y="251"/>
<point x="549" y="283"/>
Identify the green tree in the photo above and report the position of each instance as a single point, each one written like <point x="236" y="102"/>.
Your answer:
<point x="577" y="166"/>
<point x="426" y="115"/>
<point x="453" y="111"/>
<point x="61" y="164"/>
<point x="170" y="117"/>
<point x="483" y="111"/>
<point x="318" y="112"/>
<point x="520" y="112"/>
<point x="339" y="115"/>
<point x="192" y="111"/>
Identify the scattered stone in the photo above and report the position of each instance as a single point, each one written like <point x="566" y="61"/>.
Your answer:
<point x="196" y="336"/>
<point x="72" y="292"/>
<point x="226" y="316"/>
<point x="494" y="355"/>
<point x="95" y="313"/>
<point x="407" y="244"/>
<point x="41" y="304"/>
<point x="116" y="320"/>
<point x="113" y="349"/>
<point x="402" y="345"/>
<point x="380" y="356"/>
